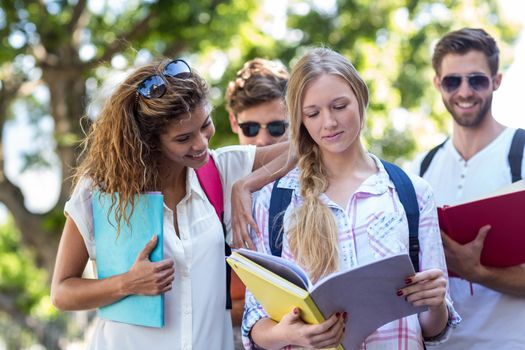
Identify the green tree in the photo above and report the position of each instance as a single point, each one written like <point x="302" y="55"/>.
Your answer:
<point x="390" y="43"/>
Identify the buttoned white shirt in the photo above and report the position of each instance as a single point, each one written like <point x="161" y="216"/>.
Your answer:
<point x="195" y="308"/>
<point x="491" y="320"/>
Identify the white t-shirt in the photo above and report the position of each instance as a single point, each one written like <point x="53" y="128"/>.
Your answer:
<point x="491" y="320"/>
<point x="195" y="308"/>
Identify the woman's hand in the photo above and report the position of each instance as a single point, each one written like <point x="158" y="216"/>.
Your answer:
<point x="324" y="335"/>
<point x="241" y="202"/>
<point x="149" y="278"/>
<point x="427" y="288"/>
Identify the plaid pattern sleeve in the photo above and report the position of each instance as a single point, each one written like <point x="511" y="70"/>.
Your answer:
<point x="253" y="311"/>
<point x="433" y="256"/>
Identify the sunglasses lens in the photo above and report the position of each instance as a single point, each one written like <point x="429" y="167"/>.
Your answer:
<point x="479" y="82"/>
<point x="178" y="69"/>
<point x="250" y="129"/>
<point x="277" y="128"/>
<point x="451" y="83"/>
<point x="152" y="87"/>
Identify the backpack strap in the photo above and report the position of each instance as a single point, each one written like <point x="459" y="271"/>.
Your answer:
<point x="281" y="198"/>
<point x="407" y="196"/>
<point x="279" y="201"/>
<point x="516" y="154"/>
<point x="425" y="163"/>
<point x="210" y="181"/>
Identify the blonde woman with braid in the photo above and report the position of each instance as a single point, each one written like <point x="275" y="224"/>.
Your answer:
<point x="345" y="212"/>
<point x="151" y="134"/>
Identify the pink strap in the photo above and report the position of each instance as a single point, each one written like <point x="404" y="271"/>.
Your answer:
<point x="210" y="181"/>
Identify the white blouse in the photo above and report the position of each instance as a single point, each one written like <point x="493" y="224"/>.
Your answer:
<point x="195" y="312"/>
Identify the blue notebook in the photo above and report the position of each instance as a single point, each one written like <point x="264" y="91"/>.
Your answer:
<point x="117" y="255"/>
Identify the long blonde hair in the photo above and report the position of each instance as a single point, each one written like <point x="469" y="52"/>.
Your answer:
<point x="121" y="151"/>
<point x="313" y="236"/>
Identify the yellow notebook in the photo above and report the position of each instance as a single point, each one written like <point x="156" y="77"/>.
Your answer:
<point x="284" y="295"/>
<point x="367" y="293"/>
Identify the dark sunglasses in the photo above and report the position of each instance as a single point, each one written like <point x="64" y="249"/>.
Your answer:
<point x="478" y="82"/>
<point x="154" y="86"/>
<point x="251" y="129"/>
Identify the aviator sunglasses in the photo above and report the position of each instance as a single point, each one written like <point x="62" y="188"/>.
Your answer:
<point x="276" y="128"/>
<point x="154" y="86"/>
<point x="477" y="82"/>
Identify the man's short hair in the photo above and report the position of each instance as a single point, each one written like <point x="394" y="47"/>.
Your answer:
<point x="464" y="40"/>
<point x="257" y="82"/>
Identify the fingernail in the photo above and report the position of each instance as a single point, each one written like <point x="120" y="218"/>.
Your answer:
<point x="408" y="280"/>
<point x="337" y="314"/>
<point x="399" y="292"/>
<point x="296" y="311"/>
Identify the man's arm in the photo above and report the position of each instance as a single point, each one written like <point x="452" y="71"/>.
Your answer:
<point x="464" y="260"/>
<point x="271" y="163"/>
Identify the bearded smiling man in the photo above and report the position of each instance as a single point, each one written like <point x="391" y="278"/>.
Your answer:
<point x="477" y="159"/>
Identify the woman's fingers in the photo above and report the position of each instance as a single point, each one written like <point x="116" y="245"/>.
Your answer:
<point x="427" y="288"/>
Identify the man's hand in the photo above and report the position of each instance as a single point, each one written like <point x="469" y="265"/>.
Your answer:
<point x="242" y="219"/>
<point x="464" y="259"/>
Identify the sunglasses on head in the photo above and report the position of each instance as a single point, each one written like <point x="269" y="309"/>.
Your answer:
<point x="478" y="82"/>
<point x="276" y="128"/>
<point x="154" y="86"/>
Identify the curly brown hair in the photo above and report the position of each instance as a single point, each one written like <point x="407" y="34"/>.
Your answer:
<point x="121" y="151"/>
<point x="258" y="81"/>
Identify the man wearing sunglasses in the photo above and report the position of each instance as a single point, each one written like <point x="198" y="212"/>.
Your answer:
<point x="473" y="162"/>
<point x="257" y="113"/>
<point x="255" y="103"/>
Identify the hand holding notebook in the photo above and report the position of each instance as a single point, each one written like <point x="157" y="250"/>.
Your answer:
<point x="367" y="293"/>
<point x="504" y="211"/>
<point x="119" y="247"/>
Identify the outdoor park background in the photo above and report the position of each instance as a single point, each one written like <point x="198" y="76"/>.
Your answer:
<point x="59" y="59"/>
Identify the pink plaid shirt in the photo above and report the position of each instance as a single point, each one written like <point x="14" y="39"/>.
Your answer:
<point x="371" y="226"/>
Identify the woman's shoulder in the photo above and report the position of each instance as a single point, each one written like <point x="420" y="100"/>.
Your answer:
<point x="83" y="188"/>
<point x="231" y="151"/>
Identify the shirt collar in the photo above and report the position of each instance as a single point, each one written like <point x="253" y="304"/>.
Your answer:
<point x="377" y="183"/>
<point x="193" y="185"/>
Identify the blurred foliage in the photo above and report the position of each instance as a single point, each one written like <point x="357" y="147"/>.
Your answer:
<point x="25" y="286"/>
<point x="93" y="42"/>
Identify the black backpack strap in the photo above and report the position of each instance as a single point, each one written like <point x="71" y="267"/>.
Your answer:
<point x="425" y="163"/>
<point x="227" y="252"/>
<point x="516" y="154"/>
<point x="279" y="201"/>
<point x="281" y="198"/>
<point x="407" y="196"/>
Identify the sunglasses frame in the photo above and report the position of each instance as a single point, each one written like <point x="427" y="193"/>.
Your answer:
<point x="277" y="123"/>
<point x="480" y="86"/>
<point x="154" y="86"/>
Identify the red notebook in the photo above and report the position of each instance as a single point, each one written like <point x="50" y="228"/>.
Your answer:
<point x="504" y="211"/>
